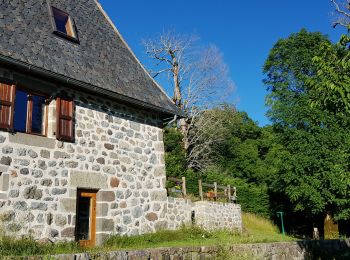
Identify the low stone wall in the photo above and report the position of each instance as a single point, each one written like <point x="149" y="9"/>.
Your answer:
<point x="218" y="215"/>
<point x="179" y="212"/>
<point x="208" y="214"/>
<point x="299" y="250"/>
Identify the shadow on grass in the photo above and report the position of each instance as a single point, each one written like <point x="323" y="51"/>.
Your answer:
<point x="326" y="249"/>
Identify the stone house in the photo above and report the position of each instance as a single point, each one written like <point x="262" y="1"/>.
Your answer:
<point x="81" y="140"/>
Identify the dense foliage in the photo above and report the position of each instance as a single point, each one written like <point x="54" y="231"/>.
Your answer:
<point x="331" y="84"/>
<point x="314" y="174"/>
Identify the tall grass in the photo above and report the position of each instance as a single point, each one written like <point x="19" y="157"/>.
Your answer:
<point x="257" y="229"/>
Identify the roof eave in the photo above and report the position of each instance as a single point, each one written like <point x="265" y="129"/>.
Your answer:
<point x="70" y="81"/>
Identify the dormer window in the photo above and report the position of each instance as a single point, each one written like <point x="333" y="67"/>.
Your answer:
<point x="64" y="24"/>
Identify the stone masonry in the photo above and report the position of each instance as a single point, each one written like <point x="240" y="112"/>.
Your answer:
<point x="207" y="214"/>
<point x="117" y="151"/>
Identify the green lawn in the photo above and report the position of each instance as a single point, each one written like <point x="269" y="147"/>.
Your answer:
<point x="256" y="230"/>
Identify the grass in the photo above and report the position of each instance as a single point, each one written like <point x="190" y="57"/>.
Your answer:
<point x="257" y="230"/>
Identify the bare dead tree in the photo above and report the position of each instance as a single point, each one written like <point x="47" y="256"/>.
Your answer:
<point x="342" y="13"/>
<point x="200" y="81"/>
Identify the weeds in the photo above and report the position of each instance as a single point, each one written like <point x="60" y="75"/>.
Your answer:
<point x="257" y="230"/>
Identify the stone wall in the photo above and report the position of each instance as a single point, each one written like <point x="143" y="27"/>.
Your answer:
<point x="208" y="214"/>
<point x="217" y="215"/>
<point x="179" y="212"/>
<point x="299" y="250"/>
<point x="117" y="150"/>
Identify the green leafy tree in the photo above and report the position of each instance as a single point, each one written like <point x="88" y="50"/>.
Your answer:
<point x="314" y="169"/>
<point x="331" y="84"/>
<point x="247" y="150"/>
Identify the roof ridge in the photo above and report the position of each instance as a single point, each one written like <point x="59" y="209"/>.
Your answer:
<point x="127" y="46"/>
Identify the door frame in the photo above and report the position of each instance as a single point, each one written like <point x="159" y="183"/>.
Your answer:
<point x="86" y="193"/>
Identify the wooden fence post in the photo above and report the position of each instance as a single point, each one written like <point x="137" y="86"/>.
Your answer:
<point x="184" y="192"/>
<point x="216" y="190"/>
<point x="229" y="193"/>
<point x="200" y="188"/>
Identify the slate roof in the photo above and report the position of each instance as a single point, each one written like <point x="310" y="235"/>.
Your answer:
<point x="102" y="58"/>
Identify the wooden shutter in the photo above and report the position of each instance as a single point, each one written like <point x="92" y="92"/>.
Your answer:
<point x="65" y="119"/>
<point x="7" y="100"/>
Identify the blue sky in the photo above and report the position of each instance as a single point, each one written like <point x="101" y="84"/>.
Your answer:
<point x="243" y="30"/>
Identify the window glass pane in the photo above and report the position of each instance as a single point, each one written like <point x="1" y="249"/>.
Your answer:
<point x="38" y="115"/>
<point x="63" y="22"/>
<point x="20" y="117"/>
<point x="60" y="19"/>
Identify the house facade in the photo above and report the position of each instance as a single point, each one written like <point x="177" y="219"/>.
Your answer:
<point x="81" y="140"/>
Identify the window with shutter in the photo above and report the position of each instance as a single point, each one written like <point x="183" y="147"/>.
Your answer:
<point x="65" y="122"/>
<point x="7" y="97"/>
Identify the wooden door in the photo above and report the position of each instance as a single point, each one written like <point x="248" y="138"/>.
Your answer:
<point x="86" y="218"/>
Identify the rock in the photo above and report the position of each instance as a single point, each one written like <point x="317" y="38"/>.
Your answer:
<point x="114" y="182"/>
<point x="42" y="165"/>
<point x="129" y="178"/>
<point x="60" y="220"/>
<point x="52" y="163"/>
<point x="53" y="173"/>
<point x="156" y="207"/>
<point x="106" y="225"/>
<point x="136" y="212"/>
<point x="38" y="206"/>
<point x="128" y="194"/>
<point x="5" y="160"/>
<point x="106" y="196"/>
<point x="68" y="232"/>
<point x="126" y="220"/>
<point x="61" y="155"/>
<point x="2" y="139"/>
<point x="151" y="216"/>
<point x="45" y="154"/>
<point x="37" y="173"/>
<point x="71" y="164"/>
<point x="7" y="150"/>
<point x="153" y="159"/>
<point x="124" y="146"/>
<point x="32" y="154"/>
<point x="14" y="193"/>
<point x="20" y="205"/>
<point x="7" y="216"/>
<point x="28" y="217"/>
<point x="57" y="191"/>
<point x="32" y="193"/>
<point x="135" y="126"/>
<point x="101" y="160"/>
<point x="24" y="171"/>
<point x="46" y="182"/>
<point x="109" y="169"/>
<point x="96" y="168"/>
<point x="49" y="218"/>
<point x="159" y="195"/>
<point x="123" y="205"/>
<point x="120" y="194"/>
<point x="22" y="162"/>
<point x="21" y="151"/>
<point x="109" y="146"/>
<point x="44" y="241"/>
<point x="53" y="233"/>
<point x="40" y="218"/>
<point x="138" y="150"/>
